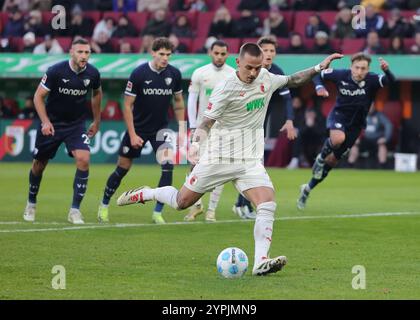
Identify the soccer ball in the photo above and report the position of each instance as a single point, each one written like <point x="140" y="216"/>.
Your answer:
<point x="232" y="263"/>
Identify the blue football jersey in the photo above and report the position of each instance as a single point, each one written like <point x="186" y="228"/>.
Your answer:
<point x="68" y="90"/>
<point x="154" y="91"/>
<point x="354" y="98"/>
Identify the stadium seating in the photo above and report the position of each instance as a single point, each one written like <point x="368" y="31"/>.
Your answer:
<point x="204" y="21"/>
<point x="138" y="19"/>
<point x="350" y="46"/>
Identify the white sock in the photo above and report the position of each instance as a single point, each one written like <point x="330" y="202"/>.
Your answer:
<point x="263" y="230"/>
<point x="166" y="195"/>
<point x="215" y="197"/>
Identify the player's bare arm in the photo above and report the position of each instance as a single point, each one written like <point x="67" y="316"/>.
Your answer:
<point x="39" y="100"/>
<point x="301" y="77"/>
<point x="135" y="140"/>
<point x="96" y="111"/>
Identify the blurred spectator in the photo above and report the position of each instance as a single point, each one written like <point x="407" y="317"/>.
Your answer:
<point x="6" y="110"/>
<point x="343" y="26"/>
<point x="102" y="43"/>
<point x="275" y="24"/>
<point x="207" y="45"/>
<point x="146" y="43"/>
<point x="374" y="22"/>
<point x="49" y="46"/>
<point x="28" y="111"/>
<point x="5" y="45"/>
<point x="124" y="28"/>
<point x="296" y="45"/>
<point x="400" y="4"/>
<point x="103" y="5"/>
<point x="29" y="42"/>
<point x="21" y="5"/>
<point x="322" y="44"/>
<point x="347" y="4"/>
<point x="253" y="5"/>
<point x="314" y="25"/>
<point x="396" y="25"/>
<point x="376" y="4"/>
<point x="125" y="47"/>
<point x="80" y="25"/>
<point x="222" y="24"/>
<point x="158" y="26"/>
<point x="191" y="5"/>
<point x="415" y="48"/>
<point x="33" y="23"/>
<point x="413" y="4"/>
<point x="124" y="5"/>
<point x="377" y="135"/>
<point x="310" y="124"/>
<point x="15" y="24"/>
<point x="373" y="44"/>
<point x="106" y="26"/>
<point x="247" y="25"/>
<point x="396" y="45"/>
<point x="179" y="47"/>
<point x="278" y="4"/>
<point x="41" y="5"/>
<point x="181" y="27"/>
<point x="317" y="5"/>
<point x="415" y="22"/>
<point x="152" y="5"/>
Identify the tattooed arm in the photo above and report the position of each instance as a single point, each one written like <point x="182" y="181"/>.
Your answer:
<point x="301" y="77"/>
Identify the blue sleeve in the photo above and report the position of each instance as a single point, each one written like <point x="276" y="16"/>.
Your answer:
<point x="96" y="81"/>
<point x="49" y="79"/>
<point x="327" y="74"/>
<point x="386" y="78"/>
<point x="132" y="88"/>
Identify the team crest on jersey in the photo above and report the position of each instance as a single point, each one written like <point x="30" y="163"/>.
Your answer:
<point x="129" y="86"/>
<point x="168" y="81"/>
<point x="86" y="82"/>
<point x="193" y="180"/>
<point x="262" y="87"/>
<point x="209" y="106"/>
<point x="362" y="84"/>
<point x="242" y="93"/>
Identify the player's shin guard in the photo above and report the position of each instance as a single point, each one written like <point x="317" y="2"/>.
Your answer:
<point x="79" y="187"/>
<point x="312" y="184"/>
<point x="327" y="148"/>
<point x="165" y="180"/>
<point x="215" y="197"/>
<point x="34" y="183"/>
<point x="113" y="183"/>
<point x="263" y="230"/>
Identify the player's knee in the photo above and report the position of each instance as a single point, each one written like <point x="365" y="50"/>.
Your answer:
<point x="82" y="161"/>
<point x="183" y="202"/>
<point x="266" y="210"/>
<point x="331" y="160"/>
<point x="39" y="166"/>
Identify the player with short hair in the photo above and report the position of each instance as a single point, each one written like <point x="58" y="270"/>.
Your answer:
<point x="356" y="90"/>
<point x="268" y="45"/>
<point x="62" y="120"/>
<point x="148" y="96"/>
<point x="235" y="115"/>
<point x="203" y="81"/>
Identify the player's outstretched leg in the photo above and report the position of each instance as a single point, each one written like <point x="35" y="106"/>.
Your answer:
<point x="263" y="230"/>
<point x="213" y="202"/>
<point x="165" y="180"/>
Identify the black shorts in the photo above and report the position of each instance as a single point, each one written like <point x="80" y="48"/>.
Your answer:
<point x="74" y="136"/>
<point x="161" y="140"/>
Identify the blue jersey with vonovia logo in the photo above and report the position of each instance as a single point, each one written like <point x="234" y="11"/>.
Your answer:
<point x="153" y="91"/>
<point x="68" y="91"/>
<point x="354" y="98"/>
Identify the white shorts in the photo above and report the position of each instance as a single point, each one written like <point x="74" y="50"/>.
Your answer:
<point x="205" y="177"/>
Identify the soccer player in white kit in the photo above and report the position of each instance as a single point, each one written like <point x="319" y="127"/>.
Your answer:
<point x="203" y="81"/>
<point x="228" y="146"/>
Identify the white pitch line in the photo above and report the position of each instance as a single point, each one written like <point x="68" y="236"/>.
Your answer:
<point x="132" y="225"/>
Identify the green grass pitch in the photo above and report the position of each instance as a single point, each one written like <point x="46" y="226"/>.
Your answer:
<point x="133" y="259"/>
